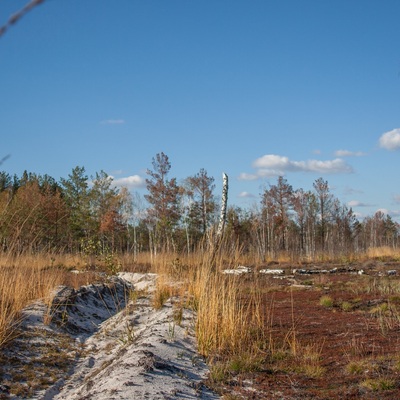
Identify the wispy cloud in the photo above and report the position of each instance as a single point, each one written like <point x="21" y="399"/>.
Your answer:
<point x="356" y="203"/>
<point x="131" y="182"/>
<point x="246" y="195"/>
<point x="392" y="213"/>
<point x="390" y="140"/>
<point x="351" y="191"/>
<point x="347" y="153"/>
<point x="396" y="198"/>
<point x="271" y="165"/>
<point x="248" y="177"/>
<point x="113" y="122"/>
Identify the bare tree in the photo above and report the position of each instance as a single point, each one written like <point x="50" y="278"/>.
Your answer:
<point x="278" y="201"/>
<point x="325" y="200"/>
<point x="304" y="204"/>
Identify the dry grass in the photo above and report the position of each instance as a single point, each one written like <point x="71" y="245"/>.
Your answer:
<point x="26" y="278"/>
<point x="383" y="252"/>
<point x="19" y="285"/>
<point x="42" y="261"/>
<point x="226" y="325"/>
<point x="230" y="327"/>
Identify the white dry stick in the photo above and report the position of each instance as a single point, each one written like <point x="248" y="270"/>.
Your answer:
<point x="224" y="201"/>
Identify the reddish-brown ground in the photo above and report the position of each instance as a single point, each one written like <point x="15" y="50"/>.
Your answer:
<point x="350" y="350"/>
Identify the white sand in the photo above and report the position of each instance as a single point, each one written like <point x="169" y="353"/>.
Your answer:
<point x="137" y="353"/>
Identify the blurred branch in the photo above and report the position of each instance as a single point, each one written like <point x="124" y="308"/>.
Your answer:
<point x="4" y="159"/>
<point x="19" y="14"/>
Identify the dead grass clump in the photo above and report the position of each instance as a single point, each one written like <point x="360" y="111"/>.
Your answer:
<point x="161" y="295"/>
<point x="387" y="317"/>
<point x="294" y="355"/>
<point x="357" y="367"/>
<point x="356" y="348"/>
<point x="379" y="384"/>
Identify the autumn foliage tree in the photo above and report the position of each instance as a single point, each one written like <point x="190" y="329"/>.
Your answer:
<point x="34" y="216"/>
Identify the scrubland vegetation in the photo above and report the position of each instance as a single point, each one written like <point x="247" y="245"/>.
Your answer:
<point x="251" y="324"/>
<point x="49" y="228"/>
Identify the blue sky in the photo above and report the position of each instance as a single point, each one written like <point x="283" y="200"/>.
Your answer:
<point x="256" y="89"/>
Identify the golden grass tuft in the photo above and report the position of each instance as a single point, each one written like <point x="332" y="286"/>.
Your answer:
<point x="383" y="252"/>
<point x="26" y="278"/>
<point x="19" y="285"/>
<point x="225" y="323"/>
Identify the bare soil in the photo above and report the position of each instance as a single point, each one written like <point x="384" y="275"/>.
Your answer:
<point x="347" y="347"/>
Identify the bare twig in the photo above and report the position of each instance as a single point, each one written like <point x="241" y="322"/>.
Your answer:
<point x="19" y="14"/>
<point x="4" y="158"/>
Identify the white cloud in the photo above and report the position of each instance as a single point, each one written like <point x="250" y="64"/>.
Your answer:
<point x="245" y="195"/>
<point x="113" y="122"/>
<point x="347" y="153"/>
<point x="336" y="166"/>
<point x="396" y="198"/>
<point x="390" y="140"/>
<point x="131" y="182"/>
<point x="271" y="165"/>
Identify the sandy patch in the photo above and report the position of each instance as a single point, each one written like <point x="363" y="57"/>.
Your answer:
<point x="119" y="348"/>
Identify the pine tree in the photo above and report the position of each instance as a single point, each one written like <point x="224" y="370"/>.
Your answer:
<point x="163" y="197"/>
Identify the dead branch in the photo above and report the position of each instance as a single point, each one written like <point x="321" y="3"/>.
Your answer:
<point x="19" y="14"/>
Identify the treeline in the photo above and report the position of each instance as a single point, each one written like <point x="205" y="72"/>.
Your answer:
<point x="78" y="213"/>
